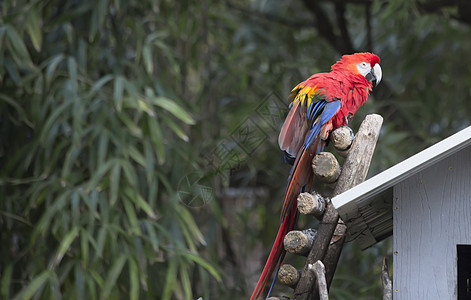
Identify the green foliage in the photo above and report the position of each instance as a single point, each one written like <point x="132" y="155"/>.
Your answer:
<point x="89" y="209"/>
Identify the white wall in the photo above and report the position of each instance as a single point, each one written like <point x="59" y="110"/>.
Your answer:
<point x="432" y="213"/>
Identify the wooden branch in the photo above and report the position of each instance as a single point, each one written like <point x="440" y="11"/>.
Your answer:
<point x="353" y="172"/>
<point x="288" y="275"/>
<point x="342" y="138"/>
<point x="331" y="257"/>
<point x="386" y="281"/>
<point x="311" y="204"/>
<point x="319" y="272"/>
<point x="326" y="167"/>
<point x="356" y="168"/>
<point x="299" y="242"/>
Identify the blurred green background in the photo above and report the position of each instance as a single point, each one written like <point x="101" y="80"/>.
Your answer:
<point x="138" y="139"/>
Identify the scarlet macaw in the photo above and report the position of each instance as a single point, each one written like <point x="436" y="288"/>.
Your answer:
<point x="323" y="102"/>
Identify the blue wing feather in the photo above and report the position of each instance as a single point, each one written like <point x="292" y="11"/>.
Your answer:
<point x="329" y="110"/>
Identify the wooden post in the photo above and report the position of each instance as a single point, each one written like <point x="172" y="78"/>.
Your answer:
<point x="354" y="171"/>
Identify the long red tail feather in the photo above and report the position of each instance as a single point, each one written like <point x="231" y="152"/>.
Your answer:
<point x="277" y="254"/>
<point x="301" y="176"/>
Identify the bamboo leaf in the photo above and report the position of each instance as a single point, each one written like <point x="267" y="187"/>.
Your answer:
<point x="6" y="281"/>
<point x="171" y="278"/>
<point x="79" y="282"/>
<point x="63" y="247"/>
<point x="54" y="286"/>
<point x="33" y="286"/>
<point x="72" y="68"/>
<point x="133" y="279"/>
<point x="129" y="172"/>
<point x="114" y="183"/>
<point x="175" y="128"/>
<point x="173" y="108"/>
<point x="20" y="111"/>
<point x="200" y="261"/>
<point x="100" y="245"/>
<point x="84" y="247"/>
<point x="118" y="92"/>
<point x="185" y="280"/>
<point x="52" y="66"/>
<point x="152" y="236"/>
<point x="157" y="139"/>
<point x="140" y="202"/>
<point x="33" y="26"/>
<point x="91" y="287"/>
<point x="189" y="223"/>
<point x="112" y="276"/>
<point x="99" y="84"/>
<point x="19" y="50"/>
<point x="12" y="71"/>
<point x="44" y="223"/>
<point x="59" y="111"/>
<point x="147" y="56"/>
<point x="133" y="128"/>
<point x="132" y="217"/>
<point x="136" y="155"/>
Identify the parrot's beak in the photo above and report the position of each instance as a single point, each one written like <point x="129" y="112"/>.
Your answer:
<point x="375" y="75"/>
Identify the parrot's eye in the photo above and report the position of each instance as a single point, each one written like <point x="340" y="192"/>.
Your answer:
<point x="363" y="68"/>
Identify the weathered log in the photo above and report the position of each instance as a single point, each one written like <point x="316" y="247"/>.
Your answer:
<point x="342" y="138"/>
<point x="319" y="272"/>
<point x="326" y="167"/>
<point x="299" y="242"/>
<point x="354" y="171"/>
<point x="311" y="204"/>
<point x="331" y="257"/>
<point x="386" y="281"/>
<point x="288" y="275"/>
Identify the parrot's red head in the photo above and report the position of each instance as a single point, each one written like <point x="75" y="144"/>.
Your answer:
<point x="365" y="64"/>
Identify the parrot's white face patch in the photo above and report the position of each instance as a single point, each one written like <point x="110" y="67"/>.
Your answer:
<point x="364" y="68"/>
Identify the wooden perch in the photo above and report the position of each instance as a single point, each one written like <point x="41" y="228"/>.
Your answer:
<point x="318" y="271"/>
<point x="311" y="204"/>
<point x="299" y="242"/>
<point x="288" y="275"/>
<point x="326" y="167"/>
<point x="354" y="171"/>
<point x="386" y="281"/>
<point x="342" y="138"/>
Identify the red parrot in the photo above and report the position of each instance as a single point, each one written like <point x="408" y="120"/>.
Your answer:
<point x="323" y="102"/>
